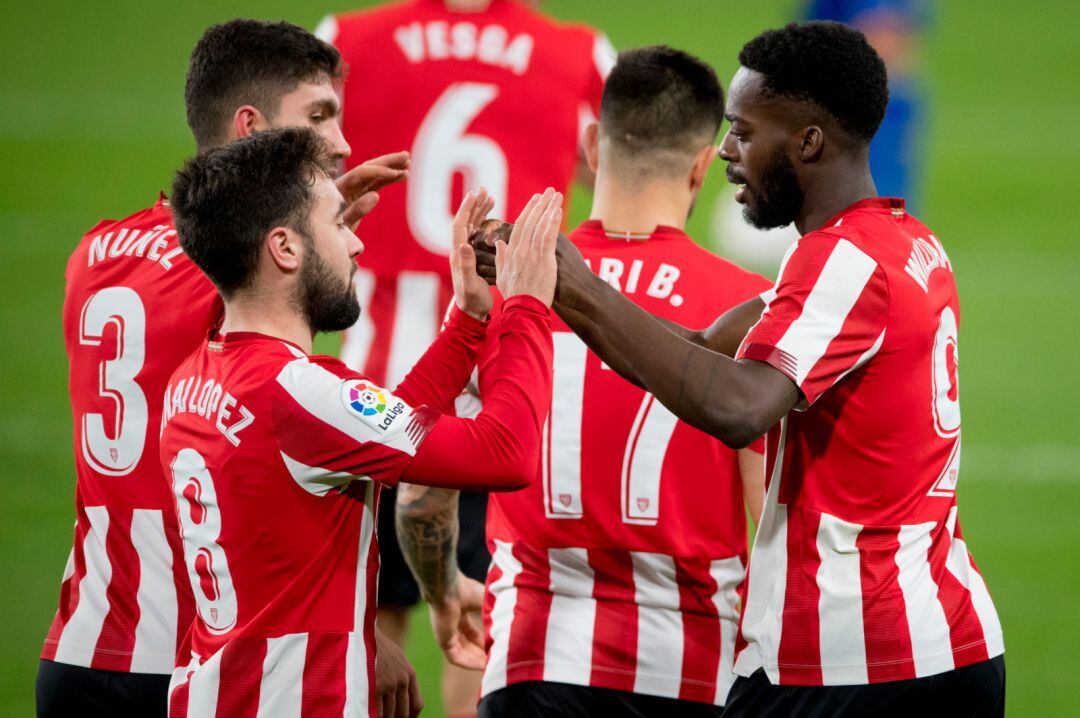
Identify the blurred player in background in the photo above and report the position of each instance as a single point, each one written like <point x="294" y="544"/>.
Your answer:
<point x="484" y="93"/>
<point x="862" y="598"/>
<point x="134" y="307"/>
<point x="616" y="579"/>
<point x="277" y="456"/>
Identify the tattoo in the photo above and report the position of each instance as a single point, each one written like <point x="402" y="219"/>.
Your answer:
<point x="426" y="520"/>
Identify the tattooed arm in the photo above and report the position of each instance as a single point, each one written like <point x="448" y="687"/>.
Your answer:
<point x="427" y="529"/>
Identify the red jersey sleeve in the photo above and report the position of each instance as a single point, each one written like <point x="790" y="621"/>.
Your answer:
<point x="333" y="426"/>
<point x="439" y="376"/>
<point x="500" y="448"/>
<point x="827" y="316"/>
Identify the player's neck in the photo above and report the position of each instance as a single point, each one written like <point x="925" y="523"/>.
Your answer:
<point x="264" y="315"/>
<point x="828" y="196"/>
<point x="638" y="209"/>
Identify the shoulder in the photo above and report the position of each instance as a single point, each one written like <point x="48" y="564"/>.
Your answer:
<point x="357" y="24"/>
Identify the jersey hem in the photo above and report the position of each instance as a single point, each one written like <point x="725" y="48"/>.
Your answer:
<point x="114" y="661"/>
<point x="809" y="675"/>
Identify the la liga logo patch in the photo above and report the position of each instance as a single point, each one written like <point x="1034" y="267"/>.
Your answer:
<point x="366" y="399"/>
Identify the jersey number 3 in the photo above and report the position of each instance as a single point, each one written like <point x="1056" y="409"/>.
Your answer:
<point x="116" y="451"/>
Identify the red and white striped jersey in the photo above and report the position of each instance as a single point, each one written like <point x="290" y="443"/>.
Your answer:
<point x="134" y="307"/>
<point x="860" y="573"/>
<point x="276" y="459"/>
<point x="495" y="98"/>
<point x="621" y="566"/>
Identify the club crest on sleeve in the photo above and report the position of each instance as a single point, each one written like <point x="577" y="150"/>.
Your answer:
<point x="372" y="404"/>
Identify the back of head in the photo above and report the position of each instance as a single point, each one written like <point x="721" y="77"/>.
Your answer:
<point x="829" y="66"/>
<point x="660" y="106"/>
<point x="225" y="201"/>
<point x="249" y="62"/>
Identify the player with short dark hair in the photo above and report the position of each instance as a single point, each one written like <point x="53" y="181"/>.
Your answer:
<point x="134" y="307"/>
<point x="862" y="596"/>
<point x="276" y="456"/>
<point x="614" y="586"/>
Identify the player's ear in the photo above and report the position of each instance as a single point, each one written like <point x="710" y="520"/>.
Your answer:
<point x="702" y="162"/>
<point x="590" y="145"/>
<point x="247" y="120"/>
<point x="811" y="143"/>
<point x="284" y="248"/>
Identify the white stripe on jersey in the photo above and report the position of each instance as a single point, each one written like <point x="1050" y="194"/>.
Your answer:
<point x="416" y="322"/>
<point x="156" y="596"/>
<point x="643" y="462"/>
<point x="660" y="627"/>
<point x="319" y="393"/>
<point x="502" y="616"/>
<point x="840" y="609"/>
<point x="767" y="581"/>
<point x="569" y="640"/>
<point x="356" y="674"/>
<point x="315" y="480"/>
<point x="931" y="646"/>
<point x="281" y="688"/>
<point x="356" y="343"/>
<point x="80" y="635"/>
<point x="728" y="573"/>
<point x="838" y="287"/>
<point x="959" y="565"/>
<point x="562" y="470"/>
<point x="203" y="688"/>
<point x="327" y="31"/>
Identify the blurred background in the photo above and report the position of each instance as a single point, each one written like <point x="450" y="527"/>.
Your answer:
<point x="92" y="126"/>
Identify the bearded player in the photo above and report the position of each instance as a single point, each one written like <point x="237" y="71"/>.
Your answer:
<point x="484" y="93"/>
<point x="134" y="307"/>
<point x="615" y="583"/>
<point x="276" y="456"/>
<point x="862" y="596"/>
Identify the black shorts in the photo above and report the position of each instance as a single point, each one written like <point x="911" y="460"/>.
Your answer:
<point x="542" y="699"/>
<point x="397" y="587"/>
<point x="975" y="691"/>
<point x="64" y="691"/>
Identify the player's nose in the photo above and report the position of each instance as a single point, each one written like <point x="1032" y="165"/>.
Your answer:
<point x="727" y="151"/>
<point x="356" y="247"/>
<point x="338" y="145"/>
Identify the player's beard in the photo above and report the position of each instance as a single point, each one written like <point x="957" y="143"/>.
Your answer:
<point x="328" y="303"/>
<point x="779" y="198"/>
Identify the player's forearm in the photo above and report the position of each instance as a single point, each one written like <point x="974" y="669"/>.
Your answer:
<point x="441" y="374"/>
<point x="499" y="450"/>
<point x="426" y="520"/>
<point x="702" y="387"/>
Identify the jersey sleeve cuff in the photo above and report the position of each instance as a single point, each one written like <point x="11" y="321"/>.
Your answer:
<point x="527" y="303"/>
<point x="462" y="320"/>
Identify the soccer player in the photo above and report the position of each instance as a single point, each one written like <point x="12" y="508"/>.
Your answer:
<point x="134" y="307"/>
<point x="276" y="456"/>
<point x="862" y="595"/>
<point x="616" y="576"/>
<point x="484" y="93"/>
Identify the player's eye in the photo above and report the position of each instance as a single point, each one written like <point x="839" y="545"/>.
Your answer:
<point x="317" y="118"/>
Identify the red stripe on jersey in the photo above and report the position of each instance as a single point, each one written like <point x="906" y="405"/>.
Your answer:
<point x="884" y="618"/>
<point x="241" y="676"/>
<point x="178" y="699"/>
<point x="528" y="631"/>
<point x="701" y="630"/>
<point x="324" y="675"/>
<point x="615" y="634"/>
<point x="185" y="598"/>
<point x="69" y="591"/>
<point x="799" y="655"/>
<point x="965" y="630"/>
<point x="117" y="638"/>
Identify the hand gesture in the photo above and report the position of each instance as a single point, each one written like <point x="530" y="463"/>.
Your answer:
<point x="397" y="694"/>
<point x="358" y="186"/>
<point x="458" y="636"/>
<point x="470" y="291"/>
<point x="527" y="264"/>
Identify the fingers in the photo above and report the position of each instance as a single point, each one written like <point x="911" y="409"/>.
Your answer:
<point x="416" y="701"/>
<point x="548" y="227"/>
<point x="394" y="160"/>
<point x="389" y="705"/>
<point x="402" y="701"/>
<point x="462" y="220"/>
<point x="466" y="655"/>
<point x="523" y="218"/>
<point x="360" y="208"/>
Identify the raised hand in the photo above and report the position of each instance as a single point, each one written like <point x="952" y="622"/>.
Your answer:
<point x="470" y="291"/>
<point x="360" y="184"/>
<point x="454" y="629"/>
<point x="527" y="264"/>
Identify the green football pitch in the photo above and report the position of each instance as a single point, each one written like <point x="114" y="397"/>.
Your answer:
<point x="92" y="125"/>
